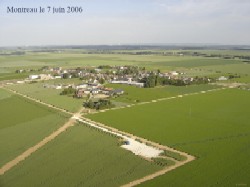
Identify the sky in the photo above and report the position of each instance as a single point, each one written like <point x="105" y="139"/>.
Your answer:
<point x="114" y="22"/>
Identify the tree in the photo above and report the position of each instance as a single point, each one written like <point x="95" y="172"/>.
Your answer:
<point x="68" y="91"/>
<point x="88" y="97"/>
<point x="65" y="76"/>
<point x="101" y="81"/>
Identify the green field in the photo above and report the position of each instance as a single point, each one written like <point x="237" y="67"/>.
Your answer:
<point x="50" y="96"/>
<point x="81" y="156"/>
<point x="134" y="94"/>
<point x="11" y="76"/>
<point x="23" y="124"/>
<point x="72" y="59"/>
<point x="213" y="126"/>
<point x="206" y="66"/>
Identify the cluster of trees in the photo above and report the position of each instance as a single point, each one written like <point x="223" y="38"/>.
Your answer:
<point x="104" y="67"/>
<point x="131" y="70"/>
<point x="20" y="71"/>
<point x="155" y="80"/>
<point x="98" y="105"/>
<point x="233" y="76"/>
<point x="18" y="53"/>
<point x="67" y="75"/>
<point x="101" y="80"/>
<point x="68" y="91"/>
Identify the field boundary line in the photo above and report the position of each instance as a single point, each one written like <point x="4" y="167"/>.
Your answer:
<point x="163" y="99"/>
<point x="34" y="148"/>
<point x="154" y="144"/>
<point x="72" y="121"/>
<point x="53" y="135"/>
<point x="37" y="101"/>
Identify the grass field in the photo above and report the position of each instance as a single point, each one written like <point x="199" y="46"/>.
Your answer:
<point x="134" y="94"/>
<point x="72" y="59"/>
<point x="23" y="124"/>
<point x="50" y="96"/>
<point x="213" y="126"/>
<point x="11" y="76"/>
<point x="81" y="156"/>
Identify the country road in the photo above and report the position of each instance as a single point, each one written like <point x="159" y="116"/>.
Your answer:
<point x="78" y="117"/>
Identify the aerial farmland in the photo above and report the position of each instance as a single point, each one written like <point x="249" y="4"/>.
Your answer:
<point x="152" y="93"/>
<point x="79" y="119"/>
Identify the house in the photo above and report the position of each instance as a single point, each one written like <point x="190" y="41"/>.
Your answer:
<point x="81" y="86"/>
<point x="95" y="91"/>
<point x="32" y="77"/>
<point x="137" y="84"/>
<point x="79" y="93"/>
<point x="107" y="91"/>
<point x="222" y="78"/>
<point x="57" y="76"/>
<point x="174" y="73"/>
<point x="20" y="71"/>
<point x="58" y="87"/>
<point x="93" y="86"/>
<point x="45" y="77"/>
<point x="20" y="82"/>
<point x="86" y="92"/>
<point x="57" y="68"/>
<point x="117" y="92"/>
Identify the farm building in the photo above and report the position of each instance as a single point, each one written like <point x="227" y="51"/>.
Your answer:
<point x="81" y="86"/>
<point x="117" y="92"/>
<point x="222" y="78"/>
<point x="57" y="77"/>
<point x="107" y="91"/>
<point x="32" y="77"/>
<point x="95" y="91"/>
<point x="79" y="93"/>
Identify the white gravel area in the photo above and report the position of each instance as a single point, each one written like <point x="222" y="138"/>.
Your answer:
<point x="141" y="149"/>
<point x="134" y="146"/>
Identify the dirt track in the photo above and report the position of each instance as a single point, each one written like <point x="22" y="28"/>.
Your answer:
<point x="47" y="139"/>
<point x="70" y="123"/>
<point x="31" y="150"/>
<point x="37" y="100"/>
<point x="163" y="99"/>
<point x="163" y="147"/>
<point x="158" y="173"/>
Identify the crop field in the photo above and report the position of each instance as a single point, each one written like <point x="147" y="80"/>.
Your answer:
<point x="23" y="124"/>
<point x="205" y="66"/>
<point x="50" y="96"/>
<point x="69" y="60"/>
<point x="10" y="76"/>
<point x="213" y="126"/>
<point x="226" y="52"/>
<point x="134" y="94"/>
<point x="81" y="156"/>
